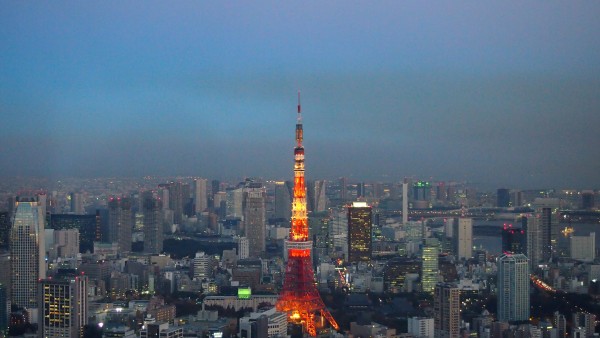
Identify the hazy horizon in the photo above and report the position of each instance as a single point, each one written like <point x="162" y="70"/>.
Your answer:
<point x="505" y="94"/>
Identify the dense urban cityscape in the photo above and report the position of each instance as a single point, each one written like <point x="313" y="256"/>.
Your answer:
<point x="286" y="169"/>
<point x="192" y="257"/>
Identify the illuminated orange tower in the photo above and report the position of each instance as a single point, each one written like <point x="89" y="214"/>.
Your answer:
<point x="299" y="297"/>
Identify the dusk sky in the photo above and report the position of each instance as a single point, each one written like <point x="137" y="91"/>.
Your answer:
<point x="502" y="94"/>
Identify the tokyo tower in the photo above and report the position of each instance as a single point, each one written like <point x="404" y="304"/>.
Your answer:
<point x="299" y="297"/>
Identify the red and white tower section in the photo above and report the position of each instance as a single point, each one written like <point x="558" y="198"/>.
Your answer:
<point x="299" y="297"/>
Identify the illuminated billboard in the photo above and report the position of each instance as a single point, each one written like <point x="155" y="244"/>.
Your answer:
<point x="244" y="293"/>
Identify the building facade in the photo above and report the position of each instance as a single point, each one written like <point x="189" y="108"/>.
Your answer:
<point x="27" y="250"/>
<point x="446" y="307"/>
<point x="513" y="288"/>
<point x="63" y="306"/>
<point x="120" y="223"/>
<point x="255" y="218"/>
<point x="359" y="232"/>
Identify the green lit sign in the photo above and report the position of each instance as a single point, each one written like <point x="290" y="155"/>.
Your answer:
<point x="244" y="293"/>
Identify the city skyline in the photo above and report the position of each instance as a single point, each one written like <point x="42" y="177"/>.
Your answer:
<point x="503" y="95"/>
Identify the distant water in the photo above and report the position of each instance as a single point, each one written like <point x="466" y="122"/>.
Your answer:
<point x="493" y="244"/>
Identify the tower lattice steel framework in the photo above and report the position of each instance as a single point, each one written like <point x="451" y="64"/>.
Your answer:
<point x="299" y="297"/>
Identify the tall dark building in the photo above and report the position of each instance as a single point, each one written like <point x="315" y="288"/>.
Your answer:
<point x="120" y="223"/>
<point x="547" y="219"/>
<point x="177" y="200"/>
<point x="360" y="190"/>
<point x="4" y="229"/>
<point x="503" y="198"/>
<point x="88" y="226"/>
<point x="215" y="186"/>
<point x="587" y="200"/>
<point x="343" y="188"/>
<point x="4" y="306"/>
<point x="514" y="240"/>
<point x="283" y="200"/>
<point x="254" y="195"/>
<point x="359" y="232"/>
<point x="421" y="191"/>
<point x="153" y="229"/>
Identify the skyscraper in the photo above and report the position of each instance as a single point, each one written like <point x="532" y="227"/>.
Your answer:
<point x="514" y="240"/>
<point x="76" y="206"/>
<point x="63" y="305"/>
<point x="463" y="238"/>
<point x="153" y="229"/>
<point x="446" y="308"/>
<point x="513" y="288"/>
<point x="120" y="223"/>
<point x="87" y="225"/>
<point x="405" y="201"/>
<point x="429" y="265"/>
<point x="200" y="195"/>
<point x="503" y="198"/>
<point x="27" y="250"/>
<point x="4" y="229"/>
<point x="283" y="200"/>
<point x="359" y="232"/>
<point x="546" y="213"/>
<point x="176" y="201"/>
<point x="255" y="217"/>
<point x="317" y="196"/>
<point x="4" y="310"/>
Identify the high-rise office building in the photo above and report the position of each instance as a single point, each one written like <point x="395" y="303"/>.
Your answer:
<point x="546" y="213"/>
<point x="283" y="200"/>
<point x="151" y="218"/>
<point x="359" y="232"/>
<point x="317" y="197"/>
<point x="343" y="182"/>
<point x="513" y="288"/>
<point x="87" y="225"/>
<point x="4" y="310"/>
<point x="429" y="265"/>
<point x="27" y="251"/>
<point x="76" y="203"/>
<point x="405" y="201"/>
<point x="587" y="200"/>
<point x="63" y="306"/>
<point x="421" y="194"/>
<point x="234" y="203"/>
<point x="463" y="238"/>
<point x="177" y="199"/>
<point x="120" y="223"/>
<point x="514" y="240"/>
<point x="530" y="223"/>
<point x="503" y="198"/>
<point x="255" y="217"/>
<point x="446" y="308"/>
<point x="4" y="229"/>
<point x="200" y="195"/>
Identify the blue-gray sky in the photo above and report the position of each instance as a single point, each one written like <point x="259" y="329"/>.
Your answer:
<point x="503" y="93"/>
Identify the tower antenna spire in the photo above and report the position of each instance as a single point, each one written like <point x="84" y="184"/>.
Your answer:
<point x="299" y="109"/>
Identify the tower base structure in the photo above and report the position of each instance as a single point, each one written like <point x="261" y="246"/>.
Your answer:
<point x="300" y="298"/>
